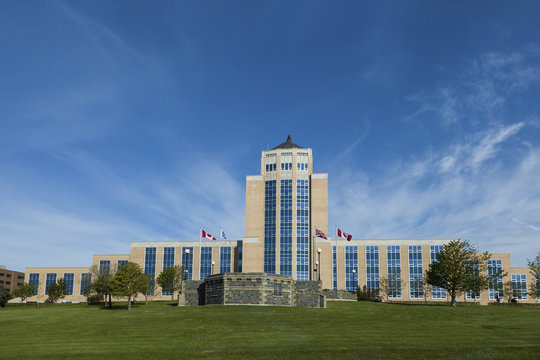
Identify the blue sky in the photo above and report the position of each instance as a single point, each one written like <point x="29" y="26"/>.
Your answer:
<point x="132" y="120"/>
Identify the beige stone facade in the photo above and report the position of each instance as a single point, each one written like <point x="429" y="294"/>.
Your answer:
<point x="285" y="203"/>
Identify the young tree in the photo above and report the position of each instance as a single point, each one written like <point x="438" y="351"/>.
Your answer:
<point x="475" y="283"/>
<point x="454" y="269"/>
<point x="534" y="285"/>
<point x="171" y="280"/>
<point x="57" y="291"/>
<point x="508" y="291"/>
<point x="25" y="291"/>
<point x="5" y="296"/>
<point x="101" y="282"/>
<point x="129" y="281"/>
<point x="384" y="287"/>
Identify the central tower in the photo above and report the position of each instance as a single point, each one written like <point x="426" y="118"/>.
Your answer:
<point x="284" y="205"/>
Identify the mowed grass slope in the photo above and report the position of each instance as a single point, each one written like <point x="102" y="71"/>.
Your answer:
<point x="343" y="330"/>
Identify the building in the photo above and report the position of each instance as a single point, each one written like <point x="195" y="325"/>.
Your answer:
<point x="11" y="280"/>
<point x="285" y="203"/>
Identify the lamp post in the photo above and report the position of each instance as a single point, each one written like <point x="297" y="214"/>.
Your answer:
<point x="213" y="263"/>
<point x="319" y="251"/>
<point x="317" y="270"/>
<point x="354" y="278"/>
<point x="186" y="251"/>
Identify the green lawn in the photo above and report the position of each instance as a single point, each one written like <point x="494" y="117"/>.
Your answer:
<point x="343" y="330"/>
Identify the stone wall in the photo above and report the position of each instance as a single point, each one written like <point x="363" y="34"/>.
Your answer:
<point x="339" y="295"/>
<point x="253" y="289"/>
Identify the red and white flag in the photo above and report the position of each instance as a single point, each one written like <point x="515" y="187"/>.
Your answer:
<point x="206" y="235"/>
<point x="344" y="235"/>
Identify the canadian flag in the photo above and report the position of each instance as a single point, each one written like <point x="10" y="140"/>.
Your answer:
<point x="204" y="234"/>
<point x="344" y="235"/>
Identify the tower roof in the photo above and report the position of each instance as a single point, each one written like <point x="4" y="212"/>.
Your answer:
<point x="288" y="145"/>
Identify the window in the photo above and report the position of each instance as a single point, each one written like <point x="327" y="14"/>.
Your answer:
<point x="473" y="294"/>
<point x="150" y="266"/>
<point x="394" y="271"/>
<point x="285" y="249"/>
<point x="121" y="263"/>
<point x="206" y="262"/>
<point x="20" y="277"/>
<point x="225" y="259"/>
<point x="270" y="167"/>
<point x="286" y="166"/>
<point x="372" y="268"/>
<point x="416" y="288"/>
<point x="495" y="284"/>
<point x="86" y="280"/>
<point x="239" y="249"/>
<point x="334" y="267"/>
<point x="270" y="227"/>
<point x="168" y="261"/>
<point x="2" y="274"/>
<point x="301" y="166"/>
<point x="51" y="279"/>
<point x="34" y="280"/>
<point x="187" y="261"/>
<point x="351" y="263"/>
<point x="278" y="290"/>
<point x="302" y="230"/>
<point x="68" y="279"/>
<point x="437" y="292"/>
<point x="105" y="267"/>
<point x="519" y="286"/>
<point x="8" y="275"/>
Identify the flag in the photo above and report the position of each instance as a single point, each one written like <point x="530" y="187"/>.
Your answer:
<point x="344" y="235"/>
<point x="223" y="236"/>
<point x="204" y="234"/>
<point x="319" y="233"/>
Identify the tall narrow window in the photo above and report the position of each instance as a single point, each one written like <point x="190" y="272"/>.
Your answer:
<point x="187" y="262"/>
<point x="86" y="280"/>
<point x="416" y="278"/>
<point x="302" y="229"/>
<point x="285" y="228"/>
<point x="34" y="280"/>
<point x="225" y="259"/>
<point x="270" y="227"/>
<point x="150" y="267"/>
<point x="495" y="274"/>
<point x="394" y="271"/>
<point x="351" y="263"/>
<point x="436" y="292"/>
<point x="168" y="261"/>
<point x="206" y="261"/>
<point x="68" y="279"/>
<point x="372" y="267"/>
<point x="51" y="279"/>
<point x="240" y="250"/>
<point x="334" y="267"/>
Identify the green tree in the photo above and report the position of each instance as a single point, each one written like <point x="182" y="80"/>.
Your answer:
<point x="5" y="296"/>
<point x="457" y="265"/>
<point x="534" y="285"/>
<point x="101" y="282"/>
<point x="171" y="280"/>
<point x="25" y="291"/>
<point x="57" y="291"/>
<point x="129" y="281"/>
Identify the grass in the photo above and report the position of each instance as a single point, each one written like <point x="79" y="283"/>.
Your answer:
<point x="344" y="330"/>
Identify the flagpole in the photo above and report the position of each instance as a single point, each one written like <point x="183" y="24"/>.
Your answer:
<point x="200" y="252"/>
<point x="337" y="277"/>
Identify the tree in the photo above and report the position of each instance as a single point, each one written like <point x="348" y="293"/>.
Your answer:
<point x="5" y="296"/>
<point x="384" y="287"/>
<point x="129" y="281"/>
<point x="25" y="291"/>
<point x="534" y="285"/>
<point x="171" y="280"/>
<point x="456" y="266"/>
<point x="101" y="282"/>
<point x="57" y="291"/>
<point x="475" y="284"/>
<point x="509" y="292"/>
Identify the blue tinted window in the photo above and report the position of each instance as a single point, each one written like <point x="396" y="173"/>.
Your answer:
<point x="68" y="279"/>
<point x="285" y="250"/>
<point x="302" y="230"/>
<point x="351" y="263"/>
<point x="105" y="267"/>
<point x="187" y="261"/>
<point x="436" y="292"/>
<point x="270" y="227"/>
<point x="519" y="286"/>
<point x="495" y="273"/>
<point x="372" y="267"/>
<point x="206" y="261"/>
<point x="150" y="266"/>
<point x="86" y="279"/>
<point x="225" y="259"/>
<point x="34" y="280"/>
<point x="121" y="263"/>
<point x="168" y="261"/>
<point x="416" y="278"/>
<point x="51" y="279"/>
<point x="393" y="255"/>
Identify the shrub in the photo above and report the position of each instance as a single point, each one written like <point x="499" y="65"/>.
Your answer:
<point x="95" y="299"/>
<point x="366" y="294"/>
